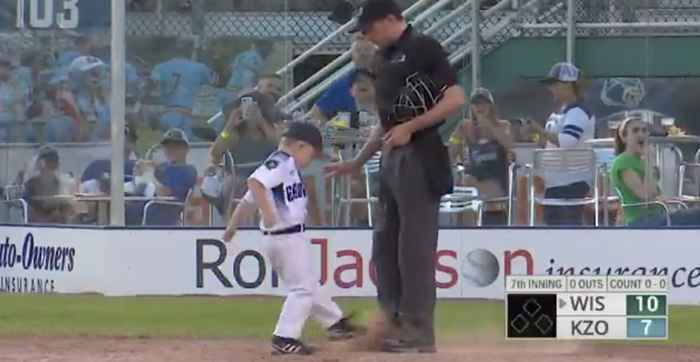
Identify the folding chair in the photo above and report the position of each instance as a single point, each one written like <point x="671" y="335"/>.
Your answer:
<point x="664" y="205"/>
<point x="181" y="214"/>
<point x="574" y="162"/>
<point x="369" y="169"/>
<point x="13" y="200"/>
<point x="689" y="182"/>
<point x="461" y="200"/>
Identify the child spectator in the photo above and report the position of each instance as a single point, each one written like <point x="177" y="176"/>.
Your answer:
<point x="39" y="190"/>
<point x="635" y="185"/>
<point x="173" y="178"/>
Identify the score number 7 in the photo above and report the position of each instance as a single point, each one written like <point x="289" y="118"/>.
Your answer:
<point x="647" y="324"/>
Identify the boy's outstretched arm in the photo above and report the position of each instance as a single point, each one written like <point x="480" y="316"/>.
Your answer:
<point x="243" y="210"/>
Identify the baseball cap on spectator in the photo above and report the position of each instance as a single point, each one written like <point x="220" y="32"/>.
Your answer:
<point x="85" y="63"/>
<point x="47" y="153"/>
<point x="480" y="95"/>
<point x="562" y="72"/>
<point x="175" y="135"/>
<point x="306" y="132"/>
<point x="373" y="10"/>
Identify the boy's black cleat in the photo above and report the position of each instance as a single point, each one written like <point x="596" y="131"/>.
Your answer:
<point x="285" y="346"/>
<point x="343" y="329"/>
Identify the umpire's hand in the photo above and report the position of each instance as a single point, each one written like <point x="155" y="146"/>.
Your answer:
<point x="340" y="168"/>
<point x="398" y="136"/>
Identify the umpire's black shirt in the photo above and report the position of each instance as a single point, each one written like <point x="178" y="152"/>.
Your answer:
<point x="412" y="53"/>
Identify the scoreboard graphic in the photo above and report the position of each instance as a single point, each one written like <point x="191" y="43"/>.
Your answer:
<point x="587" y="307"/>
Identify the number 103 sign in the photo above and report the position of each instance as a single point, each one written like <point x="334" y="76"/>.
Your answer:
<point x="587" y="307"/>
<point x="45" y="14"/>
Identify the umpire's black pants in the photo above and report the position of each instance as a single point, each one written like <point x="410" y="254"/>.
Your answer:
<point x="404" y="245"/>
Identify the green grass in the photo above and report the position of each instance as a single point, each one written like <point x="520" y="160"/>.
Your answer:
<point x="254" y="317"/>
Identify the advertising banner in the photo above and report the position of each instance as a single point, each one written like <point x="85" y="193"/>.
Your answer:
<point x="469" y="263"/>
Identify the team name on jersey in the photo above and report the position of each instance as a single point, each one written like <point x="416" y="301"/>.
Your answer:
<point x="295" y="191"/>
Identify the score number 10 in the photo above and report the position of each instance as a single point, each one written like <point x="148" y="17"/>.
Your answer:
<point x="66" y="19"/>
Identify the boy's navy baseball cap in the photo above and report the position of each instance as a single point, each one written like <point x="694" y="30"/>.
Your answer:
<point x="306" y="132"/>
<point x="562" y="72"/>
<point x="373" y="10"/>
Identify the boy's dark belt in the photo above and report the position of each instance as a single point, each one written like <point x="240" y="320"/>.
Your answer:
<point x="290" y="230"/>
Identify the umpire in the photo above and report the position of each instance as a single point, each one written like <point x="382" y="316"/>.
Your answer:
<point x="416" y="90"/>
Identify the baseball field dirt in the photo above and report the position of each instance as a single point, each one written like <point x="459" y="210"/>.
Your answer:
<point x="95" y="328"/>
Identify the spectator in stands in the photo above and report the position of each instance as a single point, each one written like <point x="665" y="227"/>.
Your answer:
<point x="635" y="185"/>
<point x="96" y="177"/>
<point x="28" y="75"/>
<point x="575" y="126"/>
<point x="488" y="142"/>
<point x="48" y="183"/>
<point x="245" y="69"/>
<point x="87" y="74"/>
<point x="174" y="178"/>
<point x="12" y="127"/>
<point x="84" y="46"/>
<point x="338" y="98"/>
<point x="250" y="134"/>
<point x="362" y="91"/>
<point x="180" y="80"/>
<point x="57" y="107"/>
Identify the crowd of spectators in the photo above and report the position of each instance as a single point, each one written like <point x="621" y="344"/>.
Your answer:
<point x="65" y="98"/>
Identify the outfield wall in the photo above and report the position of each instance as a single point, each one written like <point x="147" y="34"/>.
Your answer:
<point x="470" y="263"/>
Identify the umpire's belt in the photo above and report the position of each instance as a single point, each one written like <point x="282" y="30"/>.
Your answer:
<point x="290" y="230"/>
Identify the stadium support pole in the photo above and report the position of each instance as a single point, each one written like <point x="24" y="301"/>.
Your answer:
<point x="118" y="104"/>
<point x="476" y="43"/>
<point x="570" y="31"/>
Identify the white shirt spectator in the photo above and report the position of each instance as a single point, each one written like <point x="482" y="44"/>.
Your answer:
<point x="575" y="126"/>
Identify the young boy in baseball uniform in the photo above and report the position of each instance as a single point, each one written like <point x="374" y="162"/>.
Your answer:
<point x="276" y="189"/>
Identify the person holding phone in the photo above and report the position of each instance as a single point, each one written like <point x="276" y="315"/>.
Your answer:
<point x="487" y="142"/>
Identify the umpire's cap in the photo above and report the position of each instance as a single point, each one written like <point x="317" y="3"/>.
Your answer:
<point x="306" y="132"/>
<point x="373" y="10"/>
<point x="562" y="72"/>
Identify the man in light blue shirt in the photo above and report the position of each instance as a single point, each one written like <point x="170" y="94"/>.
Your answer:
<point x="245" y="70"/>
<point x="180" y="80"/>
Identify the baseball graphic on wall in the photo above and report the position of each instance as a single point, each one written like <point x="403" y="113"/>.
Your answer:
<point x="480" y="268"/>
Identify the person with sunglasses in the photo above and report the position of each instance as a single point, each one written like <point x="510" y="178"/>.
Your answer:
<point x="634" y="185"/>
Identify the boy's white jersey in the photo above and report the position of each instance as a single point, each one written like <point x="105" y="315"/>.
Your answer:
<point x="284" y="189"/>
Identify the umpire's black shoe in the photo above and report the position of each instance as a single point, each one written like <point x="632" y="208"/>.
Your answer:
<point x="394" y="345"/>
<point x="343" y="329"/>
<point x="284" y="346"/>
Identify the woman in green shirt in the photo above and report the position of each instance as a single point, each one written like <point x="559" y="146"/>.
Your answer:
<point x="634" y="185"/>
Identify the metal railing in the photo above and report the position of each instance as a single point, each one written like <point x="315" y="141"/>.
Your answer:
<point x="323" y="85"/>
